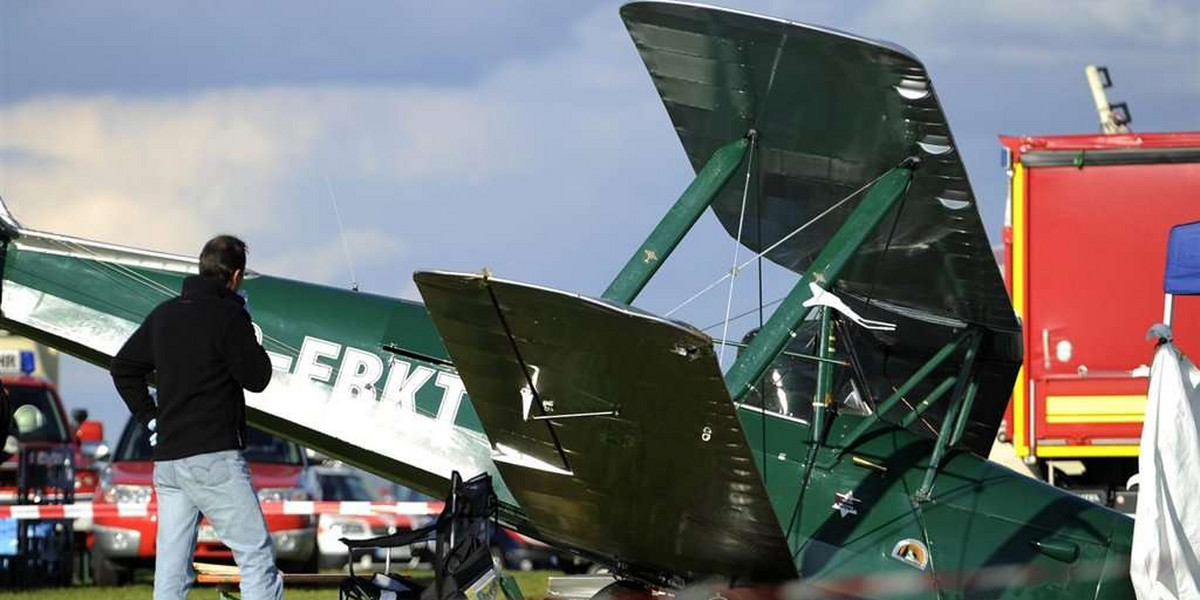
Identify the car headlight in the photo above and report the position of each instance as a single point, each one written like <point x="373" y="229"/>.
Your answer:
<point x="128" y="494"/>
<point x="281" y="494"/>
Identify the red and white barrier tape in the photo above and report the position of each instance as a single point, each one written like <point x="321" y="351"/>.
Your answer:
<point x="89" y="510"/>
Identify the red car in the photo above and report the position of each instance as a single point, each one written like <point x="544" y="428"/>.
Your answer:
<point x="125" y="541"/>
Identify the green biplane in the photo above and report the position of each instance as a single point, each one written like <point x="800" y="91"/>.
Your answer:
<point x="844" y="448"/>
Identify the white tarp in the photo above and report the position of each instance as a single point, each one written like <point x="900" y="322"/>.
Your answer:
<point x="1165" y="560"/>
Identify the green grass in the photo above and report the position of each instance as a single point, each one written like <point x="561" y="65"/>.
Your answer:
<point x="533" y="586"/>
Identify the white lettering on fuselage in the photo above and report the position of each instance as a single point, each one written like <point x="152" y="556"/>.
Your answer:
<point x="402" y="386"/>
<point x="358" y="375"/>
<point x="360" y="372"/>
<point x="309" y="364"/>
<point x="452" y="393"/>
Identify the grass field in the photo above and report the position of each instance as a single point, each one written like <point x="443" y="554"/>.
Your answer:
<point x="533" y="586"/>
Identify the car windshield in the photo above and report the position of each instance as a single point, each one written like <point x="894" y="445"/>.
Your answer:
<point x="49" y="427"/>
<point x="261" y="447"/>
<point x="343" y="487"/>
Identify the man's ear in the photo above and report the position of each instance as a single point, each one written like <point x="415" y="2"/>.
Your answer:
<point x="235" y="280"/>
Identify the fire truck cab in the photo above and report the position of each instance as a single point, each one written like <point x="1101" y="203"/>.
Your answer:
<point x="1084" y="254"/>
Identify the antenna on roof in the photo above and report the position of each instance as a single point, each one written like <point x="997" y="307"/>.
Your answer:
<point x="341" y="234"/>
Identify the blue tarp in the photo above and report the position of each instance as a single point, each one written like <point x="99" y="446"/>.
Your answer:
<point x="1183" y="260"/>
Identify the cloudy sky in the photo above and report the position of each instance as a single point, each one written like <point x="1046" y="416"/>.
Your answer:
<point x="521" y="136"/>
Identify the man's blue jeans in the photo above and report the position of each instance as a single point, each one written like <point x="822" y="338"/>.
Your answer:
<point x="216" y="484"/>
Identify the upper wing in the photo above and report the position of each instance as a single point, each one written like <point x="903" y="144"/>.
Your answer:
<point x="659" y="476"/>
<point x="834" y="111"/>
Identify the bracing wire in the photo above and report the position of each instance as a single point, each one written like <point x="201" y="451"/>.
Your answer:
<point x="743" y="315"/>
<point x="341" y="233"/>
<point x="793" y="233"/>
<point x="758" y="238"/>
<point x="134" y="277"/>
<point x="737" y="244"/>
<point x="758" y="208"/>
<point x="117" y="268"/>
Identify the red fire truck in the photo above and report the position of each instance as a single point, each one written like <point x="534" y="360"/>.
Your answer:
<point x="1084" y="253"/>
<point x="47" y="460"/>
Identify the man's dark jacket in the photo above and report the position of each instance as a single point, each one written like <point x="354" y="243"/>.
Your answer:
<point x="204" y="351"/>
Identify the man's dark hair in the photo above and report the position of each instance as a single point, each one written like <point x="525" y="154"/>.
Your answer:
<point x="222" y="256"/>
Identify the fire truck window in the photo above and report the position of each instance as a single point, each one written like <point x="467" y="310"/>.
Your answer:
<point x="49" y="427"/>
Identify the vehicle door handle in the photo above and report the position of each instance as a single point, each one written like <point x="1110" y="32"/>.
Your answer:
<point x="1046" y="349"/>
<point x="1058" y="550"/>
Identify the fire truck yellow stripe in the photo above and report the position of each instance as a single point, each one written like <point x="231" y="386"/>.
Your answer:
<point x="1095" y="409"/>
<point x="1086" y="451"/>
<point x="1017" y="197"/>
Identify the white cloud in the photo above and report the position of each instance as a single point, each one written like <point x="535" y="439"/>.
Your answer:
<point x="183" y="166"/>
<point x="97" y="165"/>
<point x="1036" y="32"/>
<point x="324" y="261"/>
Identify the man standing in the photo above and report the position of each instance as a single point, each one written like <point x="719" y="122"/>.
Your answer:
<point x="202" y="349"/>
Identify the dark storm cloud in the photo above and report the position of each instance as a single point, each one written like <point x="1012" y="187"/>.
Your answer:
<point x="166" y="47"/>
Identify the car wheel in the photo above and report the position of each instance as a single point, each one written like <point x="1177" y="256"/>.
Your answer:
<point x="106" y="572"/>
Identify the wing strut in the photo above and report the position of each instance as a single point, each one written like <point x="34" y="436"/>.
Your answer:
<point x="858" y="227"/>
<point x="912" y="382"/>
<point x="677" y="222"/>
<point x="964" y="395"/>
<point x="955" y="422"/>
<point x="824" y="395"/>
